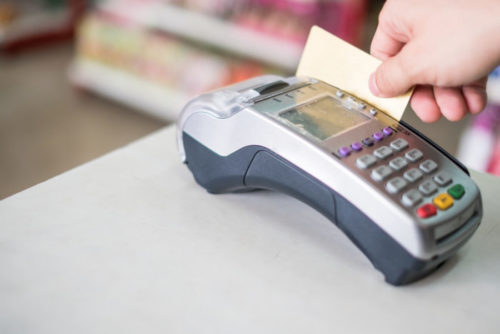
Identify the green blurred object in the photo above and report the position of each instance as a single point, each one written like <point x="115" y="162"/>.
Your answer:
<point x="55" y="4"/>
<point x="457" y="191"/>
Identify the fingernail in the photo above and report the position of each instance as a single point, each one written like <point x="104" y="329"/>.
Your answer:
<point x="372" y="83"/>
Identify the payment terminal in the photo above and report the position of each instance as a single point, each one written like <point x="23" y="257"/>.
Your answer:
<point x="402" y="200"/>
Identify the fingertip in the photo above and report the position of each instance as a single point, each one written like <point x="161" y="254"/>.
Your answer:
<point x="372" y="84"/>
<point x="475" y="98"/>
<point x="424" y="104"/>
<point x="451" y="102"/>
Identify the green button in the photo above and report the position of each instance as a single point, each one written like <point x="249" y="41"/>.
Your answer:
<point x="457" y="191"/>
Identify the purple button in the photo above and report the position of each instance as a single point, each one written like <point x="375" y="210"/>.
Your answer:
<point x="344" y="151"/>
<point x="387" y="131"/>
<point x="378" y="136"/>
<point x="356" y="146"/>
<point x="368" y="141"/>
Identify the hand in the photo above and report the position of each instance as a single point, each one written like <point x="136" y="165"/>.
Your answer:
<point x="445" y="47"/>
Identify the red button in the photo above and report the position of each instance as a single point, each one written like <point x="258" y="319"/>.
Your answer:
<point x="426" y="210"/>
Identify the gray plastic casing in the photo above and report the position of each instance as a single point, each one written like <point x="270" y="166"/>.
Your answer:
<point x="238" y="116"/>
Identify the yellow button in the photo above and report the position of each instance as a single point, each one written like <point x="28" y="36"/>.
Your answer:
<point x="443" y="201"/>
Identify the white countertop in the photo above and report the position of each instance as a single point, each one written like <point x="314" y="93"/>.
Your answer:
<point x="129" y="243"/>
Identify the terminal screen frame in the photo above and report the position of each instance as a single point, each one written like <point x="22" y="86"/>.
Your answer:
<point x="323" y="118"/>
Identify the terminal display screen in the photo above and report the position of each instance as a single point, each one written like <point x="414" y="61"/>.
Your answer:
<point x="324" y="118"/>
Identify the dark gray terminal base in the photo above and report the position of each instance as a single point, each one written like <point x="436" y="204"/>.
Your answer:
<point x="255" y="167"/>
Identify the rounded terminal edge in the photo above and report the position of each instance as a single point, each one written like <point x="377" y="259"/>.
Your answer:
<point x="202" y="103"/>
<point x="223" y="102"/>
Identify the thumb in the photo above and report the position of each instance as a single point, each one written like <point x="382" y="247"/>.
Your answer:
<point x="392" y="77"/>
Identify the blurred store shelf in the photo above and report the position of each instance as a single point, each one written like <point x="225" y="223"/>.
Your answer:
<point x="155" y="54"/>
<point x="210" y="30"/>
<point x="128" y="89"/>
<point x="28" y="23"/>
<point x="33" y="24"/>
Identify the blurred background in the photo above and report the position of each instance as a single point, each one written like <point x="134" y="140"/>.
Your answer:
<point x="79" y="78"/>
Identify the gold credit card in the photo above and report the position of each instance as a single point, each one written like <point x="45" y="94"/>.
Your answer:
<point x="330" y="59"/>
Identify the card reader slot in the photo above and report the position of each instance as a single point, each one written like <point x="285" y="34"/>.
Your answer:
<point x="466" y="228"/>
<point x="271" y="87"/>
<point x="283" y="90"/>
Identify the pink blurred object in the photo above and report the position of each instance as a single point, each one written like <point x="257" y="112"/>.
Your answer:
<point x="292" y="19"/>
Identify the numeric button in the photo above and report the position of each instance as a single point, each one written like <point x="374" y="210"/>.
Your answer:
<point x="399" y="144"/>
<point x="413" y="175"/>
<point x="398" y="163"/>
<point x="442" y="178"/>
<point x="366" y="161"/>
<point x="428" y="166"/>
<point x="412" y="197"/>
<point x="428" y="188"/>
<point x="414" y="155"/>
<point x="380" y="173"/>
<point x="382" y="152"/>
<point x="396" y="185"/>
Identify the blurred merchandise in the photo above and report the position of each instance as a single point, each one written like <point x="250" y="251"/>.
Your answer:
<point x="493" y="87"/>
<point x="119" y="53"/>
<point x="154" y="54"/>
<point x="480" y="144"/>
<point x="31" y="22"/>
<point x="292" y="19"/>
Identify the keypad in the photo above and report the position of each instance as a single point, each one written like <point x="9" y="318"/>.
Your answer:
<point x="382" y="152"/>
<point x="357" y="146"/>
<point x="380" y="173"/>
<point x="414" y="155"/>
<point x="395" y="185"/>
<point x="428" y="166"/>
<point x="406" y="172"/>
<point x="413" y="175"/>
<point x="398" y="163"/>
<point x="411" y="198"/>
<point x="428" y="187"/>
<point x="399" y="144"/>
<point x="366" y="161"/>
